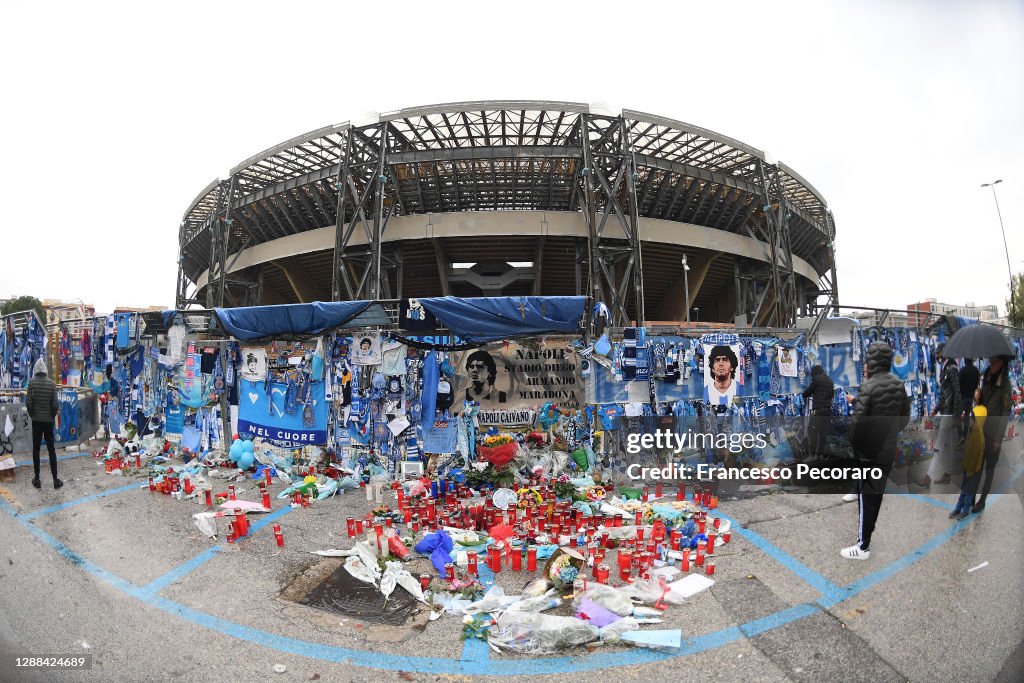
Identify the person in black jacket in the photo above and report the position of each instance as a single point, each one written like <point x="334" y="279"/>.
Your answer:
<point x="41" y="402"/>
<point x="821" y="390"/>
<point x="969" y="380"/>
<point x="880" y="411"/>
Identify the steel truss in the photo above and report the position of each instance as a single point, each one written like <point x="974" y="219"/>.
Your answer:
<point x="606" y="189"/>
<point x="615" y="170"/>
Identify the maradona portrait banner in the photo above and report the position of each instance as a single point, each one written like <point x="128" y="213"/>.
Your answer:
<point x="516" y="376"/>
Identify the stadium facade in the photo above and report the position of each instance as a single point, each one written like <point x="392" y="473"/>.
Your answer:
<point x="511" y="198"/>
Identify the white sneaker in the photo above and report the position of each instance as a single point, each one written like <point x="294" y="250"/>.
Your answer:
<point x="855" y="553"/>
<point x="849" y="497"/>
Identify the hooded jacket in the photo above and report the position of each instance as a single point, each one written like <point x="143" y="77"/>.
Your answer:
<point x="41" y="399"/>
<point x="882" y="409"/>
<point x="996" y="397"/>
<point x="949" y="392"/>
<point x="821" y="390"/>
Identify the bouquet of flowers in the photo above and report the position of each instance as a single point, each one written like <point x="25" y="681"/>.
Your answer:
<point x="497" y="440"/>
<point x="499" y="449"/>
<point x="563" y="567"/>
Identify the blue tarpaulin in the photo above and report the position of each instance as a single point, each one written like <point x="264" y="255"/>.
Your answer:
<point x="255" y="322"/>
<point x="486" y="319"/>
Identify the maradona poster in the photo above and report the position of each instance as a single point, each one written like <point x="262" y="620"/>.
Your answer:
<point x="513" y="376"/>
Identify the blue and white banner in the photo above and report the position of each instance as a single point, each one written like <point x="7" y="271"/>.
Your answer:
<point x="66" y="429"/>
<point x="440" y="436"/>
<point x="264" y="414"/>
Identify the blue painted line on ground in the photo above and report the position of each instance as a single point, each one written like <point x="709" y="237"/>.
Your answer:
<point x="1005" y="488"/>
<point x="914" y="555"/>
<point x="79" y="501"/>
<point x="177" y="573"/>
<point x="68" y="554"/>
<point x="183" y="569"/>
<point x="474" y="650"/>
<point x="928" y="500"/>
<point x="25" y="463"/>
<point x="474" y="667"/>
<point x="805" y="573"/>
<point x="899" y="565"/>
<point x="773" y="621"/>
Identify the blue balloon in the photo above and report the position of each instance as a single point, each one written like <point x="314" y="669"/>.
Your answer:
<point x="247" y="446"/>
<point x="235" y="451"/>
<point x="246" y="461"/>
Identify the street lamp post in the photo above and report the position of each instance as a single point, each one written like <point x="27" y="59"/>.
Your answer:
<point x="697" y="311"/>
<point x="1009" y="269"/>
<point x="686" y="287"/>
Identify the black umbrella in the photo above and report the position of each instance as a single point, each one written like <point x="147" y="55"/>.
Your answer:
<point x="977" y="341"/>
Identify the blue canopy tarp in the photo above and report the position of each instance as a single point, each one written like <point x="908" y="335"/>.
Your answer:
<point x="255" y="322"/>
<point x="484" y="319"/>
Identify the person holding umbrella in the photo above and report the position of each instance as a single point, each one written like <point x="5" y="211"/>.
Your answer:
<point x="985" y="341"/>
<point x="995" y="395"/>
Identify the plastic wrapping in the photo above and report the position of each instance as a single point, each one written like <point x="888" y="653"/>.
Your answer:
<point x="346" y="483"/>
<point x="451" y="604"/>
<point x="534" y="633"/>
<point x="536" y="588"/>
<point x="538" y="604"/>
<point x="357" y="568"/>
<point x="608" y="597"/>
<point x="614" y="631"/>
<point x="494" y="600"/>
<point x="362" y="562"/>
<point x="651" y="591"/>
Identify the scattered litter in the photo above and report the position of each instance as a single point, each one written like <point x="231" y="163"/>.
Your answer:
<point x="980" y="566"/>
<point x="280" y="668"/>
<point x="690" y="585"/>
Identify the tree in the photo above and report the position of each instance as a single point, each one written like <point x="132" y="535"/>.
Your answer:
<point x="24" y="303"/>
<point x="1015" y="310"/>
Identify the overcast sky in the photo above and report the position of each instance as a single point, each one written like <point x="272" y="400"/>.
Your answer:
<point x="116" y="115"/>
